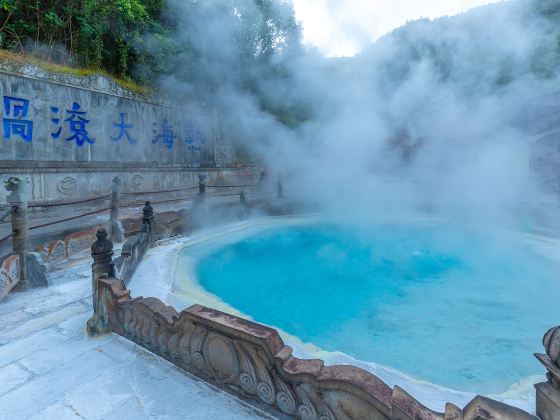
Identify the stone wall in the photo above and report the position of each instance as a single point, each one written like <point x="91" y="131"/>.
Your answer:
<point x="72" y="135"/>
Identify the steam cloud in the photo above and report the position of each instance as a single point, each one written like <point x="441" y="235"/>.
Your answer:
<point x="433" y="118"/>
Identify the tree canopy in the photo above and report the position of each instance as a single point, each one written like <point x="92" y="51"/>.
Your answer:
<point x="139" y="38"/>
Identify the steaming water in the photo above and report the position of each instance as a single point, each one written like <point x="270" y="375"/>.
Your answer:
<point x="445" y="304"/>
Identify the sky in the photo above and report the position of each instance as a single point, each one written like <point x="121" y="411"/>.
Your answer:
<point x="343" y="27"/>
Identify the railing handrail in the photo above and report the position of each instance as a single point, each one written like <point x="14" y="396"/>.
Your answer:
<point x="67" y="203"/>
<point x="186" y="189"/>
<point x="129" y="204"/>
<point x="67" y="219"/>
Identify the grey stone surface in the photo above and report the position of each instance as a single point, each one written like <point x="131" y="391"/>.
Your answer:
<point x="51" y="369"/>
<point x="36" y="270"/>
<point x="12" y="376"/>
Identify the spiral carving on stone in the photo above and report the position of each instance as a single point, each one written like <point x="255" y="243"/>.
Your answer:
<point x="265" y="392"/>
<point x="198" y="360"/>
<point x="247" y="383"/>
<point x="307" y="412"/>
<point x="247" y="378"/>
<point x="137" y="182"/>
<point x="285" y="402"/>
<point x="184" y="349"/>
<point x="173" y="346"/>
<point x="67" y="185"/>
<point x="306" y="409"/>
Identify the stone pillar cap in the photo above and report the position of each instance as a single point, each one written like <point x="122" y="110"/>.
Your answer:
<point x="18" y="189"/>
<point x="102" y="245"/>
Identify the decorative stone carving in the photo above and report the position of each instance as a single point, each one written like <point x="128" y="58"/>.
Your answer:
<point x="251" y="361"/>
<point x="9" y="274"/>
<point x="222" y="151"/>
<point x="67" y="185"/>
<point x="548" y="393"/>
<point x="133" y="251"/>
<point x="55" y="251"/>
<point x="137" y="182"/>
<point x="77" y="242"/>
<point x="103" y="266"/>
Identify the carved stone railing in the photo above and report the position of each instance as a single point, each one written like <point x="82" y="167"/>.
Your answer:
<point x="136" y="246"/>
<point x="250" y="361"/>
<point x="548" y="393"/>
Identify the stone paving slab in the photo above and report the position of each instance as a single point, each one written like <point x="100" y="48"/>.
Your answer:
<point x="51" y="369"/>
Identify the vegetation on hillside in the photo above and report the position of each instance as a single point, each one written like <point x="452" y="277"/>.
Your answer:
<point x="137" y="38"/>
<point x="23" y="59"/>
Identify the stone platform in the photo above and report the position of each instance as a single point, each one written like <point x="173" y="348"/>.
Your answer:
<point x="51" y="369"/>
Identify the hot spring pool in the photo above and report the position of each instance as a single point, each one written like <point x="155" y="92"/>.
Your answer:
<point x="448" y="305"/>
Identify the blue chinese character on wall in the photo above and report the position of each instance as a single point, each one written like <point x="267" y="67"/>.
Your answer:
<point x="123" y="130"/>
<point x="78" y="126"/>
<point x="55" y="120"/>
<point x="16" y="109"/>
<point x="193" y="138"/>
<point x="167" y="136"/>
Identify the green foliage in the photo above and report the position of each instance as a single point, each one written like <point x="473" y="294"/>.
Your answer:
<point x="138" y="38"/>
<point x="104" y="34"/>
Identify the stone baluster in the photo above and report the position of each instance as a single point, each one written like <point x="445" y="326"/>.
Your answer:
<point x="117" y="234"/>
<point x="148" y="219"/>
<point x="18" y="201"/>
<point x="548" y="393"/>
<point x="20" y="222"/>
<point x="201" y="187"/>
<point x="32" y="271"/>
<point x="263" y="181"/>
<point x="102" y="267"/>
<point x="280" y="188"/>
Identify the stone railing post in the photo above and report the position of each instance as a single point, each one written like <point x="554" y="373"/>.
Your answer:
<point x="32" y="271"/>
<point x="280" y="188"/>
<point x="18" y="201"/>
<point x="115" y="226"/>
<point x="263" y="181"/>
<point x="148" y="220"/>
<point x="20" y="222"/>
<point x="201" y="187"/>
<point x="548" y="393"/>
<point x="102" y="267"/>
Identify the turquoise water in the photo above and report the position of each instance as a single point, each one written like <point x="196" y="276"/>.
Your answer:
<point x="447" y="305"/>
